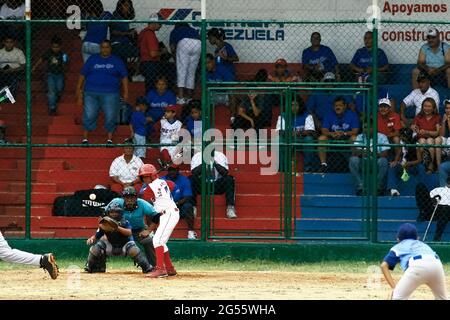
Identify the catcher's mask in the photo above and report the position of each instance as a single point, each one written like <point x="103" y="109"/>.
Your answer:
<point x="114" y="211"/>
<point x="130" y="198"/>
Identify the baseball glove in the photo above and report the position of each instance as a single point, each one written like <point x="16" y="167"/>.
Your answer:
<point x="108" y="224"/>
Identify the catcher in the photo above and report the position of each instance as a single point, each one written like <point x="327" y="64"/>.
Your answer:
<point x="113" y="238"/>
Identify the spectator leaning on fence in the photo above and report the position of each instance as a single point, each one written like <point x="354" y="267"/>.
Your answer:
<point x="225" y="54"/>
<point x="361" y="63"/>
<point x="150" y="52"/>
<point x="340" y="124"/>
<point x="434" y="58"/>
<point x="409" y="160"/>
<point x="96" y="32"/>
<point x="99" y="85"/>
<point x="12" y="65"/>
<point x="426" y="125"/>
<point x="318" y="60"/>
<point x="356" y="161"/>
<point x="56" y="67"/>
<point x="182" y="195"/>
<point x="412" y="103"/>
<point x="185" y="44"/>
<point x="124" y="170"/>
<point x="389" y="123"/>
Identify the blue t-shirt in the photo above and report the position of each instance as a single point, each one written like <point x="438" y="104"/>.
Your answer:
<point x="103" y="75"/>
<point x="220" y="74"/>
<point x="181" y="33"/>
<point x="119" y="26"/>
<point x="135" y="217"/>
<point x="404" y="250"/>
<point x="182" y="187"/>
<point x="321" y="104"/>
<point x="139" y="123"/>
<point x="159" y="103"/>
<point x="96" y="32"/>
<point x="363" y="58"/>
<point x="348" y="121"/>
<point x="228" y="51"/>
<point x="323" y="56"/>
<point x="193" y="126"/>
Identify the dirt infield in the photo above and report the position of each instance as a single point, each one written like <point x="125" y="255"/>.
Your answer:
<point x="192" y="285"/>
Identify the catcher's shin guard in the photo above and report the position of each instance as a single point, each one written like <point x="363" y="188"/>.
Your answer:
<point x="139" y="257"/>
<point x="97" y="258"/>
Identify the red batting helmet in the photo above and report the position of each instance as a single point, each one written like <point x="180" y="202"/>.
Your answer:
<point x="148" y="170"/>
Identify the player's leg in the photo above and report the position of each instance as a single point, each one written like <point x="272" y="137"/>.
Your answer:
<point x="194" y="59"/>
<point x="182" y="66"/>
<point x="46" y="261"/>
<point x="132" y="250"/>
<point x="436" y="279"/>
<point x="97" y="256"/>
<point x="409" y="282"/>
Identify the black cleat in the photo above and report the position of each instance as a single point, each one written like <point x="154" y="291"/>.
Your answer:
<point x="48" y="262"/>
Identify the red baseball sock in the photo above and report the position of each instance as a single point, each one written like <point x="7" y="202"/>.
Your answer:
<point x="160" y="257"/>
<point x="167" y="260"/>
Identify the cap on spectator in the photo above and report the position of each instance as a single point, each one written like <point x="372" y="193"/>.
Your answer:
<point x="384" y="102"/>
<point x="423" y="76"/>
<point x="2" y="123"/>
<point x="155" y="16"/>
<point x="172" y="107"/>
<point x="445" y="102"/>
<point x="141" y="100"/>
<point x="432" y="33"/>
<point x="99" y="186"/>
<point x="407" y="231"/>
<point x="281" y="62"/>
<point x="329" y="76"/>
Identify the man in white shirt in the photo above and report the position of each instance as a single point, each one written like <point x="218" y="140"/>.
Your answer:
<point x="412" y="104"/>
<point x="12" y="65"/>
<point x="223" y="182"/>
<point x="124" y="170"/>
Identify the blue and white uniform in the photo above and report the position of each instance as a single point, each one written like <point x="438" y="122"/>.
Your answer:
<point x="420" y="264"/>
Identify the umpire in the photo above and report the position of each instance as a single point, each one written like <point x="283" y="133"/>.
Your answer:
<point x="426" y="202"/>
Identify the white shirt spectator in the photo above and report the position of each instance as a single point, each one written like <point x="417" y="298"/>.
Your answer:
<point x="14" y="58"/>
<point x="219" y="158"/>
<point x="381" y="139"/>
<point x="126" y="172"/>
<point x="309" y="123"/>
<point x="444" y="192"/>
<point x="416" y="97"/>
<point x="169" y="131"/>
<point x="8" y="13"/>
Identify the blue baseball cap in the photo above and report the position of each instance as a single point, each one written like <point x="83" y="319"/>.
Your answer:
<point x="407" y="231"/>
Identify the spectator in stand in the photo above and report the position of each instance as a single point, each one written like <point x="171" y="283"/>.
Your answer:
<point x="170" y="129"/>
<point x="412" y="104"/>
<point x="319" y="104"/>
<point x="318" y="59"/>
<point x="193" y="122"/>
<point x="249" y="114"/>
<point x="12" y="65"/>
<point x="185" y="44"/>
<point x="56" y="67"/>
<point x="434" y="59"/>
<point x="124" y="39"/>
<point x="182" y="195"/>
<point x="389" y="124"/>
<point x="96" y="32"/>
<point x="12" y="10"/>
<point x="302" y="124"/>
<point x="124" y="170"/>
<point x="2" y="132"/>
<point x="224" y="183"/>
<point x="426" y="125"/>
<point x="282" y="73"/>
<point x="159" y="98"/>
<point x="225" y="54"/>
<point x="409" y="161"/>
<point x="99" y="85"/>
<point x="140" y="126"/>
<point x="150" y="52"/>
<point x="361" y="63"/>
<point x="341" y="124"/>
<point x="263" y="100"/>
<point x="444" y="168"/>
<point x="359" y="153"/>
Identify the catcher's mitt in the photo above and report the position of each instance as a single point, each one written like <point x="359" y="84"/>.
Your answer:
<point x="108" y="224"/>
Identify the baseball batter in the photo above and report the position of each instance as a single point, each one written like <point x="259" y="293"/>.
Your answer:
<point x="419" y="262"/>
<point x="46" y="261"/>
<point x="158" y="192"/>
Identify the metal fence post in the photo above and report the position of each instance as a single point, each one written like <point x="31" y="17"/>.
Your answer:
<point x="28" y="124"/>
<point x="205" y="126"/>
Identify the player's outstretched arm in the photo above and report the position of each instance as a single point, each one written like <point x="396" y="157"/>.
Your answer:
<point x="387" y="274"/>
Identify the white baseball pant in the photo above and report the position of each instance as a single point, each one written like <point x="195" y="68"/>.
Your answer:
<point x="427" y="270"/>
<point x="188" y="57"/>
<point x="167" y="222"/>
<point x="16" y="256"/>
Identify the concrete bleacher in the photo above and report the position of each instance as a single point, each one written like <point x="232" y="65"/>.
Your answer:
<point x="329" y="208"/>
